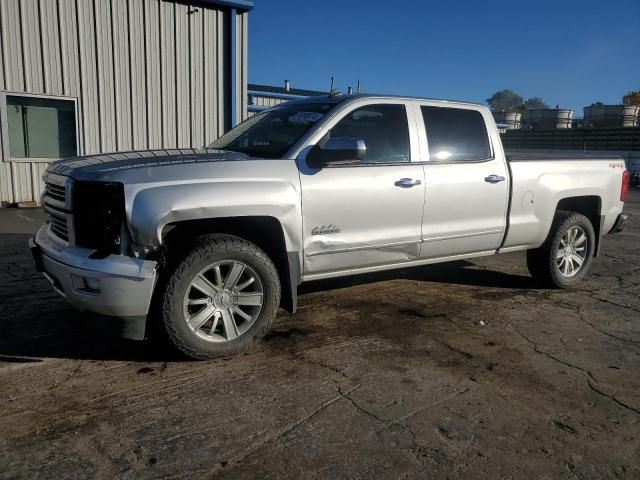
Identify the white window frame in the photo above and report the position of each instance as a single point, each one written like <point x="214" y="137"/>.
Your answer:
<point x="4" y="124"/>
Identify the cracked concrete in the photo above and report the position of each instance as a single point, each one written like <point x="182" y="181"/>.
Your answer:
<point x="465" y="370"/>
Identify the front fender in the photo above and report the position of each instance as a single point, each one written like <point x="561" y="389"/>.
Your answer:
<point x="151" y="208"/>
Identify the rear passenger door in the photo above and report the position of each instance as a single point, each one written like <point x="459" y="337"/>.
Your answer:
<point x="467" y="182"/>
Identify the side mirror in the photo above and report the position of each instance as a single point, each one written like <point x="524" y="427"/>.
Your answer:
<point x="337" y="151"/>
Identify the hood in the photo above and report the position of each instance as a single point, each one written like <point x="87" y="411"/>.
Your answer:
<point x="92" y="166"/>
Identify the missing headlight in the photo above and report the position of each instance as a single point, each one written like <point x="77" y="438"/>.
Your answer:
<point x="98" y="214"/>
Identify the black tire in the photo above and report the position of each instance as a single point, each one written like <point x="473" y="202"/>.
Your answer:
<point x="542" y="262"/>
<point x="209" y="249"/>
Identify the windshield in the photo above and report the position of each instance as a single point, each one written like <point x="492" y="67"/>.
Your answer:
<point x="270" y="134"/>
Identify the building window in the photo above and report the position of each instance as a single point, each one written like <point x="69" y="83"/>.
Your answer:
<point x="40" y="127"/>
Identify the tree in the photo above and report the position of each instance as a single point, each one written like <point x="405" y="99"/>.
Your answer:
<point x="505" y="100"/>
<point x="632" y="98"/>
<point x="535" y="102"/>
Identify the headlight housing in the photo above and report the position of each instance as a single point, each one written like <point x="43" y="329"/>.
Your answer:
<point x="98" y="214"/>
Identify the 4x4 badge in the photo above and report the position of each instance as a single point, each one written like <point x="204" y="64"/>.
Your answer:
<point x="325" y="229"/>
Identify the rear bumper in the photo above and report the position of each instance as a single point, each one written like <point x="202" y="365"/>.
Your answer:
<point x="116" y="286"/>
<point x="619" y="224"/>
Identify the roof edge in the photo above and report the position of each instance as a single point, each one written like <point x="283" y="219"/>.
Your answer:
<point x="244" y="5"/>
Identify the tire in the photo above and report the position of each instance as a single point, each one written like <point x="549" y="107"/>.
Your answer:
<point x="546" y="264"/>
<point x="202" y="286"/>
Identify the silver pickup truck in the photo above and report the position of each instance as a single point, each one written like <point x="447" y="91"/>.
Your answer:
<point x="207" y="244"/>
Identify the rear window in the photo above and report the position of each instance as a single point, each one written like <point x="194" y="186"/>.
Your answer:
<point x="455" y="134"/>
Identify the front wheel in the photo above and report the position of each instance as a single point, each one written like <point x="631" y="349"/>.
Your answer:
<point x="565" y="256"/>
<point x="221" y="299"/>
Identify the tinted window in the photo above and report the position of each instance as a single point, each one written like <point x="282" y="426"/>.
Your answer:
<point x="455" y="134"/>
<point x="270" y="134"/>
<point x="383" y="128"/>
<point x="41" y="127"/>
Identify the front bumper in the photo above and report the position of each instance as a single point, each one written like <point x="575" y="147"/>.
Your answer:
<point x="116" y="286"/>
<point x="618" y="226"/>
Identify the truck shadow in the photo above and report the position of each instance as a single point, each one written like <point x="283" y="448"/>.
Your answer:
<point x="457" y="273"/>
<point x="37" y="324"/>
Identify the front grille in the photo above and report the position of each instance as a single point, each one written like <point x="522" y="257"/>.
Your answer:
<point x="59" y="226"/>
<point x="57" y="192"/>
<point x="54" y="201"/>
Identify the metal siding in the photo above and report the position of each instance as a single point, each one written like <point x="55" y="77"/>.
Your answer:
<point x="196" y="71"/>
<point x="223" y="73"/>
<point x="267" y="101"/>
<point x="182" y="75"/>
<point x="69" y="53"/>
<point x="210" y="49"/>
<point x="122" y="74"/>
<point x="154" y="92"/>
<point x="1" y="63"/>
<point x="146" y="73"/>
<point x="138" y="75"/>
<point x="90" y="120"/>
<point x="37" y="170"/>
<point x="22" y="181"/>
<point x="106" y="89"/>
<point x="244" y="63"/>
<point x="52" y="69"/>
<point x="11" y="34"/>
<point x="168" y="74"/>
<point x="33" y="79"/>
<point x="6" y="182"/>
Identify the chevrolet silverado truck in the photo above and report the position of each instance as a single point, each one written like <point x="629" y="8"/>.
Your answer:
<point x="204" y="245"/>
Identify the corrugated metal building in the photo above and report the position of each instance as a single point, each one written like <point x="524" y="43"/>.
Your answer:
<point x="265" y="96"/>
<point x="92" y="76"/>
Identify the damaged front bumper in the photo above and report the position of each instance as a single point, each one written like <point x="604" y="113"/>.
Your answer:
<point x="117" y="286"/>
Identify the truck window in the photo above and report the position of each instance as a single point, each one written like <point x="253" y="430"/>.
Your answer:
<point x="383" y="128"/>
<point x="270" y="134"/>
<point x="456" y="134"/>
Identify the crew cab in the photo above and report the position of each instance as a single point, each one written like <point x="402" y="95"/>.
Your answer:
<point x="207" y="244"/>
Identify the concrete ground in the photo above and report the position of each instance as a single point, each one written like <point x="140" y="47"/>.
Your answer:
<point x="464" y="370"/>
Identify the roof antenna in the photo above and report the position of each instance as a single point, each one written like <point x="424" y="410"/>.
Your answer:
<point x="333" y="80"/>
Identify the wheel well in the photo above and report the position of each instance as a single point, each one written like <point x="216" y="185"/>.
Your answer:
<point x="265" y="232"/>
<point x="589" y="206"/>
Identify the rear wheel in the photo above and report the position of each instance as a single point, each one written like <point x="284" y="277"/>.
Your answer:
<point x="221" y="299"/>
<point x="565" y="256"/>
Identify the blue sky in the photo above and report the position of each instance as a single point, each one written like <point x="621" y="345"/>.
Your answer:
<point x="568" y="52"/>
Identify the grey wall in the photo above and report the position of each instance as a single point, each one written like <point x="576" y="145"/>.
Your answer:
<point x="146" y="73"/>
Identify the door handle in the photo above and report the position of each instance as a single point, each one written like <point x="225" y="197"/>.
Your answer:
<point x="494" y="179"/>
<point x="407" y="182"/>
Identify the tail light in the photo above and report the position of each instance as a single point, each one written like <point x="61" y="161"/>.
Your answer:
<point x="624" y="191"/>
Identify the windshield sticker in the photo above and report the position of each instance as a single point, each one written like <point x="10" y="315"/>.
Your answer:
<point x="305" y="117"/>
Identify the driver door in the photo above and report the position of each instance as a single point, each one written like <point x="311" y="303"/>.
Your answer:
<point x="368" y="213"/>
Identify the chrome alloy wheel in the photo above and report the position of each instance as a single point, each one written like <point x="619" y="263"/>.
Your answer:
<point x="572" y="251"/>
<point x="223" y="301"/>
